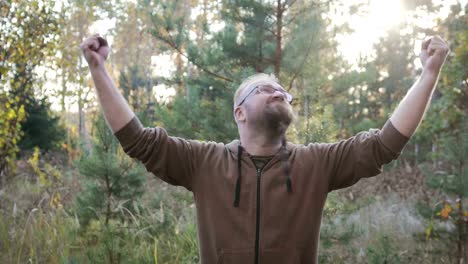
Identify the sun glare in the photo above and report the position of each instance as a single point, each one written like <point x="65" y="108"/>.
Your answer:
<point x="384" y="14"/>
<point x="369" y="25"/>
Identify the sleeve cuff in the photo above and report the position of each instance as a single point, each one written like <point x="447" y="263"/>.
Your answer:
<point x="392" y="138"/>
<point x="127" y="134"/>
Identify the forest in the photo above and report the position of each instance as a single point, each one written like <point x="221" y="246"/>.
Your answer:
<point x="69" y="193"/>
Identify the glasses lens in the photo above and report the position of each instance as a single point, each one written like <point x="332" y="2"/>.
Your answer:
<point x="270" y="89"/>
<point x="266" y="89"/>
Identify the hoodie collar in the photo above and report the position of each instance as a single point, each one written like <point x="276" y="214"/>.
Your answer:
<point x="234" y="145"/>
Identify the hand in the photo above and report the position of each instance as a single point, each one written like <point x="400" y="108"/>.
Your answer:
<point x="95" y="50"/>
<point x="434" y="51"/>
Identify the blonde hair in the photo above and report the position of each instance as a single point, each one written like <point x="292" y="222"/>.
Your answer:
<point x="258" y="77"/>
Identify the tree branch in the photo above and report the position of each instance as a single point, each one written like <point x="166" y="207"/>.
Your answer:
<point x="173" y="45"/>
<point x="300" y="66"/>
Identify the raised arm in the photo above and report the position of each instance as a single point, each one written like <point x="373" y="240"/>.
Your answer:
<point x="411" y="109"/>
<point x="116" y="110"/>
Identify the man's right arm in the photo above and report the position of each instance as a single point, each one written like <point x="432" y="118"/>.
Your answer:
<point x="116" y="109"/>
<point x="160" y="153"/>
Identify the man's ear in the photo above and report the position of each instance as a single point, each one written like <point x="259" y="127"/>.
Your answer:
<point x="239" y="114"/>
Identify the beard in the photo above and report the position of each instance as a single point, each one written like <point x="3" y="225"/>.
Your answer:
<point x="275" y="118"/>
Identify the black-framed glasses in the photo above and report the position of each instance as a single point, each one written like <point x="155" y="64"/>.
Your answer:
<point x="268" y="89"/>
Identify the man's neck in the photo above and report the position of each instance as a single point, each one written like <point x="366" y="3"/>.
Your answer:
<point x="260" y="144"/>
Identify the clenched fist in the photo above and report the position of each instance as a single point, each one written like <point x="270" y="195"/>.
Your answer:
<point x="434" y="50"/>
<point x="95" y="50"/>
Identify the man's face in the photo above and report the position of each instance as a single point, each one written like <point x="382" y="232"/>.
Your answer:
<point x="267" y="106"/>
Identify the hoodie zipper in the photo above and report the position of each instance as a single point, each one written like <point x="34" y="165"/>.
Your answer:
<point x="257" y="220"/>
<point x="257" y="227"/>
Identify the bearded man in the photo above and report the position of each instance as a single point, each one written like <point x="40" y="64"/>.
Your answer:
<point x="260" y="199"/>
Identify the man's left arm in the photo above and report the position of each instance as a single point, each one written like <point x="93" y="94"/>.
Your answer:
<point x="364" y="154"/>
<point x="411" y="109"/>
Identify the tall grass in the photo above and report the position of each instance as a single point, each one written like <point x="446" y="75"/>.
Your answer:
<point x="35" y="237"/>
<point x="56" y="237"/>
<point x="35" y="230"/>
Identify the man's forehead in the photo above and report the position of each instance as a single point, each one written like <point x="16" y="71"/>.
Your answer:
<point x="261" y="82"/>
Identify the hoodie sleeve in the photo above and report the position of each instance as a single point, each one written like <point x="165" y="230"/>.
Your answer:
<point x="169" y="158"/>
<point x="363" y="155"/>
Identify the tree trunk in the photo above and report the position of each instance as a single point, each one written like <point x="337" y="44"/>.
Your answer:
<point x="2" y="174"/>
<point x="81" y="23"/>
<point x="81" y="124"/>
<point x="279" y="26"/>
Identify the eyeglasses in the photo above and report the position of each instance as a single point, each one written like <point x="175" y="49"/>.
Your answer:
<point x="268" y="89"/>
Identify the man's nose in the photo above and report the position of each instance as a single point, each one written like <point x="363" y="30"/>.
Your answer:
<point x="278" y="95"/>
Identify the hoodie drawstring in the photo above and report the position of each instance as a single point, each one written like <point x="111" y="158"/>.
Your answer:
<point x="239" y="175"/>
<point x="285" y="164"/>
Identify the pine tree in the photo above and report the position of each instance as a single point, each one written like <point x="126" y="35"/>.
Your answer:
<point x="450" y="178"/>
<point x="41" y="127"/>
<point x="113" y="183"/>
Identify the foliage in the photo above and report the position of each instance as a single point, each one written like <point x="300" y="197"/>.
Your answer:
<point x="317" y="127"/>
<point x="137" y="89"/>
<point x="383" y="251"/>
<point x="200" y="119"/>
<point x="53" y="235"/>
<point x="27" y="33"/>
<point x="448" y="126"/>
<point x="37" y="237"/>
<point x="48" y="177"/>
<point x="114" y="181"/>
<point x="335" y="212"/>
<point x="11" y="117"/>
<point x="41" y="127"/>
<point x="451" y="180"/>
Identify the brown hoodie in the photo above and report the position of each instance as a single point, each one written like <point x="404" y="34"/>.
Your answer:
<point x="269" y="225"/>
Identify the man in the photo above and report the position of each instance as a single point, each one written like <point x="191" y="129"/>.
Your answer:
<point x="260" y="199"/>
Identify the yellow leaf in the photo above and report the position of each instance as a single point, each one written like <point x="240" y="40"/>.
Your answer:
<point x="429" y="230"/>
<point x="446" y="211"/>
<point x="11" y="114"/>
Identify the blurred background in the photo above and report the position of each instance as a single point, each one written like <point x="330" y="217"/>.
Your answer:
<point x="68" y="194"/>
